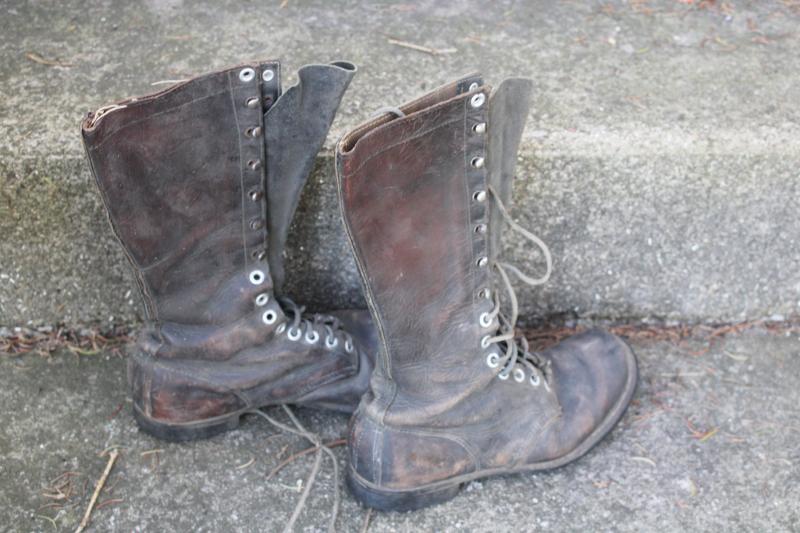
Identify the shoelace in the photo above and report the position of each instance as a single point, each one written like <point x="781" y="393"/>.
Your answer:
<point x="304" y="326"/>
<point x="516" y="347"/>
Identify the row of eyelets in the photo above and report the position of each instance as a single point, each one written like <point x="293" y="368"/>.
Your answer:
<point x="257" y="277"/>
<point x="478" y="161"/>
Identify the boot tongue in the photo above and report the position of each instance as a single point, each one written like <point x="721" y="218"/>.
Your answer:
<point x="295" y="129"/>
<point x="508" y="111"/>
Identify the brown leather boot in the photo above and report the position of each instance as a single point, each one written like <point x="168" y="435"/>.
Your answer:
<point x="455" y="396"/>
<point x="200" y="182"/>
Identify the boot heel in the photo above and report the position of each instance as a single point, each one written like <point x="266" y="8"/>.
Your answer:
<point x="185" y="431"/>
<point x="391" y="500"/>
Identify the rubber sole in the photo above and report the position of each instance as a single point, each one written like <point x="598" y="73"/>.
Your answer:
<point x="187" y="431"/>
<point x="412" y="499"/>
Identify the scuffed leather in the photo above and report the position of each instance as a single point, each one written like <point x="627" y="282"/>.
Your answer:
<point x="435" y="411"/>
<point x="182" y="176"/>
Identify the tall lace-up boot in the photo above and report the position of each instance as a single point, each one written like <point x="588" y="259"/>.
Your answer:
<point x="200" y="182"/>
<point x="455" y="396"/>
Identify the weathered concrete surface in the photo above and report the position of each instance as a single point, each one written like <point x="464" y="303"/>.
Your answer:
<point x="709" y="444"/>
<point x="660" y="161"/>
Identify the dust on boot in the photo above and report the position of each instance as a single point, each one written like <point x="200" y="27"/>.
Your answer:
<point x="456" y="395"/>
<point x="200" y="183"/>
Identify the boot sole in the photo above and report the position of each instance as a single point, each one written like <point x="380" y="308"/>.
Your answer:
<point x="384" y="499"/>
<point x="182" y="432"/>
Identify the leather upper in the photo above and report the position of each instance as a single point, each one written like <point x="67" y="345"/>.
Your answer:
<point x="413" y="192"/>
<point x="200" y="183"/>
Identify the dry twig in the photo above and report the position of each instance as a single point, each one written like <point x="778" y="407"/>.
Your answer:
<point x="112" y="457"/>
<point x="420" y="48"/>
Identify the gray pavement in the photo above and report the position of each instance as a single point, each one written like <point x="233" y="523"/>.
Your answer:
<point x="709" y="444"/>
<point x="660" y="161"/>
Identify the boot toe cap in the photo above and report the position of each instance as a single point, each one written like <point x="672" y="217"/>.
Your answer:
<point x="595" y="376"/>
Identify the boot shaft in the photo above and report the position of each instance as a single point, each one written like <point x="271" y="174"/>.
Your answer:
<point x="201" y="185"/>
<point x="181" y="176"/>
<point x="415" y="200"/>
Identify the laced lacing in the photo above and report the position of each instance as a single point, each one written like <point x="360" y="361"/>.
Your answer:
<point x="516" y="353"/>
<point x="305" y="326"/>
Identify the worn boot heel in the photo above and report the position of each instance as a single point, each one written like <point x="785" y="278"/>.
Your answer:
<point x="172" y="407"/>
<point x="181" y="432"/>
<point x="390" y="500"/>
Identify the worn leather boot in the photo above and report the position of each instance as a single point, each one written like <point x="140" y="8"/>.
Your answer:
<point x="200" y="182"/>
<point x="455" y="396"/>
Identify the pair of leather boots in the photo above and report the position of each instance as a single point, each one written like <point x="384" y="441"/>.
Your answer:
<point x="201" y="182"/>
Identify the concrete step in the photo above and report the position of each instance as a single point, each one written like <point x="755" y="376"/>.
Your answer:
<point x="709" y="444"/>
<point x="660" y="162"/>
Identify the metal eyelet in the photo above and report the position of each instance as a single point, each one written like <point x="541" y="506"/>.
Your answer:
<point x="256" y="224"/>
<point x="294" y="334"/>
<point x="267" y="75"/>
<point x="485" y="320"/>
<point x="485" y="293"/>
<point x="519" y="375"/>
<point x="482" y="262"/>
<point x="312" y="339"/>
<point x="477" y="100"/>
<point x="477" y="162"/>
<point x="504" y="375"/>
<point x="535" y="382"/>
<point x="262" y="299"/>
<point x="472" y="86"/>
<point x="480" y="127"/>
<point x="281" y="328"/>
<point x="480" y="228"/>
<point x="259" y="255"/>
<point x="331" y="343"/>
<point x="348" y="346"/>
<point x="492" y="360"/>
<point x="479" y="196"/>
<point x="256" y="277"/>
<point x="247" y="74"/>
<point x="251" y="103"/>
<point x="256" y="194"/>
<point x="485" y="341"/>
<point x="255" y="131"/>
<point x="269" y="317"/>
<point x="254" y="164"/>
